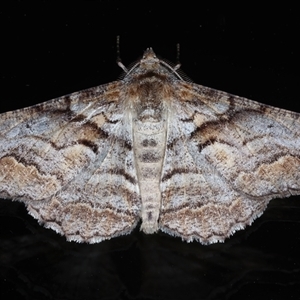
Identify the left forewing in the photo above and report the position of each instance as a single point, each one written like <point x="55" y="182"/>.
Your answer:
<point x="70" y="160"/>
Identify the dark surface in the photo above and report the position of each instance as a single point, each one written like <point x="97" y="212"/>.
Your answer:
<point x="49" y="49"/>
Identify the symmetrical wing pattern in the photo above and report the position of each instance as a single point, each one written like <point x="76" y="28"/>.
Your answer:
<point x="192" y="161"/>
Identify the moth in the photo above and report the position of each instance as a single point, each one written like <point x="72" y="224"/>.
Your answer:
<point x="189" y="160"/>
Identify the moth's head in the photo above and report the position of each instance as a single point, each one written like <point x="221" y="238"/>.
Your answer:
<point x="149" y="60"/>
<point x="152" y="66"/>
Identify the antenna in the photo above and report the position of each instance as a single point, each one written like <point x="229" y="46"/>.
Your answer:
<point x="119" y="61"/>
<point x="178" y="64"/>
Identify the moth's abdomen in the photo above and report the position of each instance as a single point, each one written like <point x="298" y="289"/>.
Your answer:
<point x="149" y="150"/>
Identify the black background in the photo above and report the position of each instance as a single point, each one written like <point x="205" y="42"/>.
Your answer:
<point x="49" y="49"/>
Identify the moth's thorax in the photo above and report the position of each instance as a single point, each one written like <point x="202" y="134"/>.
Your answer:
<point x="149" y="97"/>
<point x="150" y="86"/>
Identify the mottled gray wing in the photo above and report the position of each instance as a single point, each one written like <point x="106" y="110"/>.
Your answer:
<point x="70" y="160"/>
<point x="226" y="158"/>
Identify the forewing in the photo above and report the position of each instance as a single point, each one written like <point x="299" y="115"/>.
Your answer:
<point x="226" y="158"/>
<point x="70" y="160"/>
